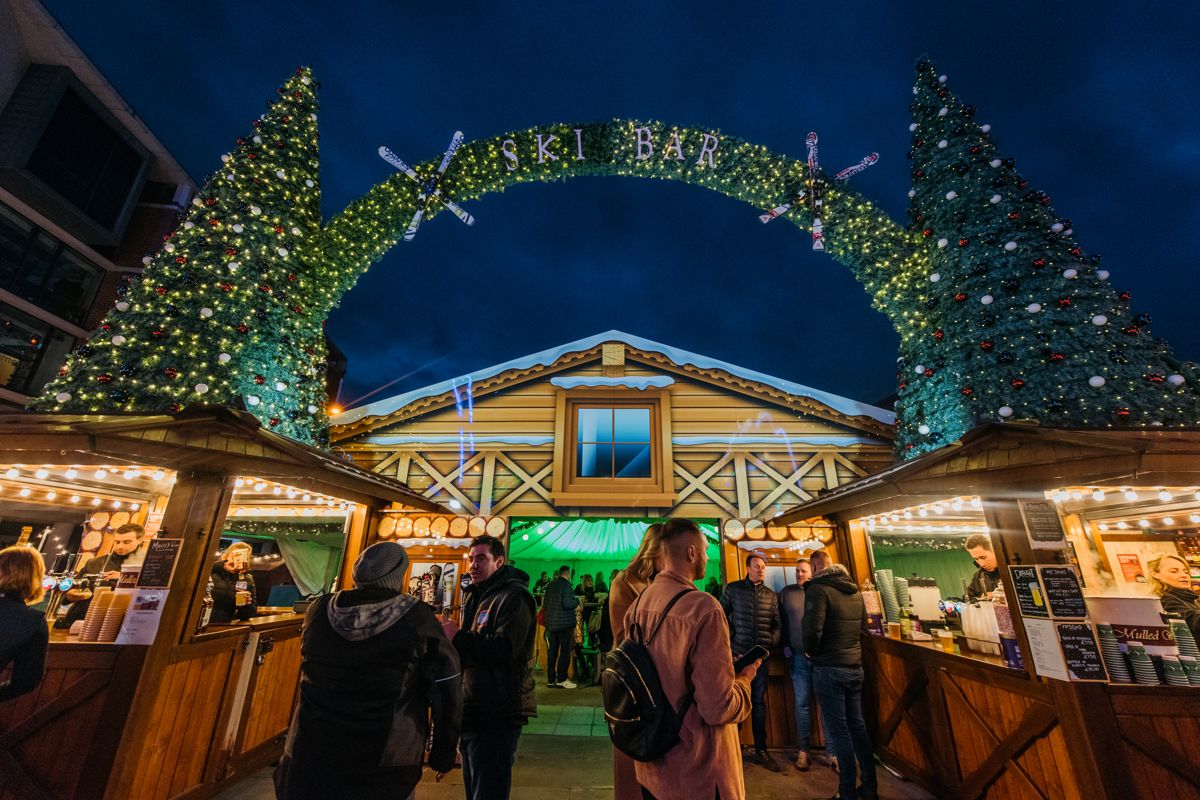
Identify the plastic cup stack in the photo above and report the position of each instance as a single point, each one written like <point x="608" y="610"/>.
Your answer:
<point x="1114" y="659"/>
<point x="1173" y="671"/>
<point x="1143" y="666"/>
<point x="902" y="596"/>
<point x="1191" y="668"/>
<point x="1183" y="638"/>
<point x="887" y="589"/>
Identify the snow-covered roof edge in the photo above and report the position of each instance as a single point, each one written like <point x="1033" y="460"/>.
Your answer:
<point x="679" y="357"/>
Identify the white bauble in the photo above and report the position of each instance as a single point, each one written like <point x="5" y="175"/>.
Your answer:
<point x="1070" y="273"/>
<point x="206" y="312"/>
<point x="987" y="299"/>
<point x="280" y="173"/>
<point x="122" y="305"/>
<point x="62" y="397"/>
<point x="985" y="128"/>
<point x="913" y="126"/>
<point x="258" y="140"/>
<point x="170" y="248"/>
<point x="1056" y="227"/>
<point x="280" y="386"/>
<point x="919" y="369"/>
<point x="224" y="358"/>
<point x="313" y="117"/>
<point x="935" y="277"/>
<point x="255" y="210"/>
<point x="119" y="340"/>
<point x="1175" y="380"/>
<point x="232" y="266"/>
<point x="1099" y="319"/>
<point x="942" y="144"/>
<point x="941" y="78"/>
<point x="309" y="183"/>
<point x="943" y="111"/>
<point x="197" y="202"/>
<point x="950" y="195"/>
<point x="225" y="158"/>
<point x="1033" y="308"/>
<point x="923" y="429"/>
<point x="912" y="193"/>
<point x="296" y="231"/>
<point x="312" y="409"/>
<point x="306" y="80"/>
<point x="1102" y="274"/>
<point x="283" y="251"/>
<point x="996" y="162"/>
<point x="188" y="225"/>
<point x="994" y="199"/>
<point x="146" y="260"/>
<point x="1010" y="246"/>
<point x="1005" y="411"/>
<point x="238" y="228"/>
<point x="943" y="242"/>
<point x="253" y="400"/>
<point x="1096" y="381"/>
<point x="201" y="388"/>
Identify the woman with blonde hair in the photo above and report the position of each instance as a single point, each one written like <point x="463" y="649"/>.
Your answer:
<point x="623" y="590"/>
<point x="233" y="585"/>
<point x="1171" y="580"/>
<point x="24" y="635"/>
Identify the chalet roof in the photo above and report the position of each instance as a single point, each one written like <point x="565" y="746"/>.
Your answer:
<point x="206" y="438"/>
<point x="537" y="362"/>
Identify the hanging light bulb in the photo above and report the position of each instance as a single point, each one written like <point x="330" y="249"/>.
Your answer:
<point x="1131" y="495"/>
<point x="100" y="474"/>
<point x="71" y="474"/>
<point x="1164" y="495"/>
<point x="159" y="475"/>
<point x="42" y="474"/>
<point x="1098" y="495"/>
<point x="75" y="498"/>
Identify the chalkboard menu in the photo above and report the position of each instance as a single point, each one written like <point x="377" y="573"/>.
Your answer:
<point x="159" y="563"/>
<point x="1042" y="525"/>
<point x="1081" y="651"/>
<point x="1028" y="587"/>
<point x="1063" y="592"/>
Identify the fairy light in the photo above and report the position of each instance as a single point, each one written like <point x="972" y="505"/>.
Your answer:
<point x="1164" y="495"/>
<point x="42" y="474"/>
<point x="1098" y="495"/>
<point x="100" y="474"/>
<point x="1131" y="495"/>
<point x="71" y="474"/>
<point x="75" y="498"/>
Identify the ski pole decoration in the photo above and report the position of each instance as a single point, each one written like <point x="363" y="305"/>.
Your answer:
<point x="393" y="159"/>
<point x="812" y="194"/>
<point x="429" y="187"/>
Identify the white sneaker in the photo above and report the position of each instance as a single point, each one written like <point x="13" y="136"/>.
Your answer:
<point x="568" y="684"/>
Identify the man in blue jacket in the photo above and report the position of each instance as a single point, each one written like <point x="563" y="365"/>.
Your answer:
<point x="559" y="604"/>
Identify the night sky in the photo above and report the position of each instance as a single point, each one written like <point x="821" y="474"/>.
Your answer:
<point x="1099" y="111"/>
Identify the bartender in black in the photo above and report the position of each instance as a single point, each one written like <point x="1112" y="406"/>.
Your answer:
<point x="987" y="577"/>
<point x="106" y="568"/>
<point x="233" y="585"/>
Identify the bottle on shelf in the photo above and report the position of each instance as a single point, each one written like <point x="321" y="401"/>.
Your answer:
<point x="206" y="608"/>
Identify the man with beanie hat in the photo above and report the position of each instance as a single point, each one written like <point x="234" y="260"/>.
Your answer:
<point x="375" y="667"/>
<point x="496" y="648"/>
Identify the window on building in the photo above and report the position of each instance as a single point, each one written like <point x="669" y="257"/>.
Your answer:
<point x="31" y="351"/>
<point x="39" y="268"/>
<point x="613" y="442"/>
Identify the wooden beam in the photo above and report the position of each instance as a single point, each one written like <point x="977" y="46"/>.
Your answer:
<point x="528" y="483"/>
<point x="788" y="484"/>
<point x="489" y="483"/>
<point x="743" y="485"/>
<point x="1160" y="750"/>
<point x="699" y="483"/>
<point x="446" y="482"/>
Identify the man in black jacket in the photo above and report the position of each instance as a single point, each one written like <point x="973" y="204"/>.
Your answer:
<point x="752" y="609"/>
<point x="374" y="665"/>
<point x="496" y="649"/>
<point x="835" y="623"/>
<point x="559" y="603"/>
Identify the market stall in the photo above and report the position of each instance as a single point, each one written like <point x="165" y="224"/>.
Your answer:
<point x="1014" y="582"/>
<point x="146" y="694"/>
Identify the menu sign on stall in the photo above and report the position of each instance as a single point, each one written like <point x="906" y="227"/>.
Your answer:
<point x="1042" y="525"/>
<point x="1063" y="592"/>
<point x="1048" y="658"/>
<point x="1028" y="587"/>
<point x="1080" y="651"/>
<point x="140" y="624"/>
<point x="159" y="563"/>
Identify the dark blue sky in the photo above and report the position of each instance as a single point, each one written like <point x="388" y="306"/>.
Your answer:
<point x="1098" y="107"/>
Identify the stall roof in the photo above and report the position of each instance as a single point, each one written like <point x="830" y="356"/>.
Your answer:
<point x="208" y="438"/>
<point x="1022" y="456"/>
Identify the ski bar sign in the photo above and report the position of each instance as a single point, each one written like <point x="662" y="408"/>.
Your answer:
<point x="552" y="146"/>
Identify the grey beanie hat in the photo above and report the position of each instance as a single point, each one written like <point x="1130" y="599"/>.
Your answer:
<point x="382" y="566"/>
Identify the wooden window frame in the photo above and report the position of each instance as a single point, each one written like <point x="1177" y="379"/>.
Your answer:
<point x="657" y="491"/>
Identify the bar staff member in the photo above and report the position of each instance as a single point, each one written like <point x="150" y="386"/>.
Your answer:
<point x="107" y="568"/>
<point x="233" y="585"/>
<point x="987" y="577"/>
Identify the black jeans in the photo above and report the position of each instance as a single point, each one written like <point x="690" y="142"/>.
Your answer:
<point x="839" y="691"/>
<point x="488" y="758"/>
<point x="758" y="707"/>
<point x="558" y="654"/>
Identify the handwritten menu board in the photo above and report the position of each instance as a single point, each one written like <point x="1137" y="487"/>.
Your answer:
<point x="159" y="563"/>
<point x="1028" y="587"/>
<point x="1080" y="651"/>
<point x="1063" y="592"/>
<point x="1048" y="659"/>
<point x="1042" y="525"/>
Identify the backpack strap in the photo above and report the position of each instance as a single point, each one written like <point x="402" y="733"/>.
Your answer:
<point x="665" y="611"/>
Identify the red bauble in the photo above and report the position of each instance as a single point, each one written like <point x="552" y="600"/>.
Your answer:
<point x="63" y="371"/>
<point x="1154" y="377"/>
<point x="227" y="287"/>
<point x="1014" y="215"/>
<point x="104" y="377"/>
<point x="252" y="156"/>
<point x="903" y="385"/>
<point x="1123" y="413"/>
<point x="157" y="333"/>
<point x="260" y="379"/>
<point x="279" y="229"/>
<point x="960" y="297"/>
<point x="939" y="335"/>
<point x="986" y="345"/>
<point x="296" y="309"/>
<point x="231" y="251"/>
<point x="279" y="142"/>
<point x="243" y="328"/>
<point x="210" y="201"/>
<point x="106" y="327"/>
<point x="929" y="372"/>
<point x="963" y="242"/>
<point x="274" y="421"/>
<point x="927" y="232"/>
<point x="292" y="278"/>
<point x="976" y="149"/>
<point x="1045" y="201"/>
<point x="1076" y="251"/>
<point x="1125" y="296"/>
<point x="1017" y="383"/>
<point x="909" y="446"/>
<point x="171" y="372"/>
<point x="180" y="259"/>
<point x="214" y="222"/>
<point x="160" y="290"/>
<point x="174" y="408"/>
<point x="1056" y="358"/>
<point x="919" y="173"/>
<point x="1131" y="330"/>
<point x="967" y="391"/>
<point x="286" y="119"/>
<point x="1064" y="302"/>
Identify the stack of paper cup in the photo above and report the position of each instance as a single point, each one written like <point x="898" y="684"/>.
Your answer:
<point x="113" y="618"/>
<point x="95" y="616"/>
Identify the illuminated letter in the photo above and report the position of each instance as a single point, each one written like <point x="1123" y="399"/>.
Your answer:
<point x="706" y="150"/>
<point x="509" y="154"/>
<point x="543" y="154"/>
<point x="579" y="144"/>
<point x="645" y="148"/>
<point x="674" y="143"/>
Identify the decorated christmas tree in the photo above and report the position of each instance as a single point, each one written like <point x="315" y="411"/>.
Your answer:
<point x="226" y="313"/>
<point x="1017" y="321"/>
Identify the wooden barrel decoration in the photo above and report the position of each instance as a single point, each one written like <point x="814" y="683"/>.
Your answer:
<point x="91" y="541"/>
<point x="734" y="530"/>
<point x="458" y="527"/>
<point x="776" y="532"/>
<point x="404" y="527"/>
<point x="755" y="530"/>
<point x="118" y="519"/>
<point x="477" y="526"/>
<point x="496" y="526"/>
<point x="387" y="528"/>
<point x="420" y="527"/>
<point x="98" y="521"/>
<point x="440" y="526"/>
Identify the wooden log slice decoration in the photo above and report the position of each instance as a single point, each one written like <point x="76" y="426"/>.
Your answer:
<point x="825" y="535"/>
<point x="734" y="530"/>
<point x="91" y="541"/>
<point x="798" y="533"/>
<point x="496" y="526"/>
<point x="440" y="526"/>
<point x="404" y="527"/>
<point x="118" y="519"/>
<point x="776" y="532"/>
<point x="477" y="526"/>
<point x="459" y="527"/>
<point x="420" y="527"/>
<point x="755" y="530"/>
<point x="387" y="528"/>
<point x="98" y="520"/>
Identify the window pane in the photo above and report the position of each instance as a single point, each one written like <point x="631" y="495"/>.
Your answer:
<point x="595" y="425"/>
<point x="15" y="233"/>
<point x="632" y="461"/>
<point x="22" y="339"/>
<point x="593" y="460"/>
<point x="71" y="288"/>
<point x="632" y="425"/>
<point x="38" y="264"/>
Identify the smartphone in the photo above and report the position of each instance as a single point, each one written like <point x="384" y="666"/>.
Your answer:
<point x="752" y="655"/>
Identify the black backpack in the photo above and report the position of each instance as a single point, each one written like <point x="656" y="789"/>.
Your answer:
<point x="641" y="722"/>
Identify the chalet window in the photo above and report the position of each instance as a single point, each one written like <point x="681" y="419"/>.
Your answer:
<point x="613" y="449"/>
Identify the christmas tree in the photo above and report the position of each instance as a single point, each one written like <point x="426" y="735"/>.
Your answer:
<point x="226" y="312"/>
<point x="1015" y="319"/>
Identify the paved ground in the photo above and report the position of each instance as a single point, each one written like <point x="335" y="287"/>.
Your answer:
<point x="565" y="755"/>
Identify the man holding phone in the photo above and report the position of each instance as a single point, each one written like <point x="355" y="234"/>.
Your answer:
<point x="752" y="609"/>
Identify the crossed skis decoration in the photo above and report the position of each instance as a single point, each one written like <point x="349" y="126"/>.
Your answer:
<point x="430" y="189"/>
<point x="813" y="191"/>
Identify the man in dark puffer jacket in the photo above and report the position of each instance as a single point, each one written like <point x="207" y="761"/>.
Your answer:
<point x="835" y="622"/>
<point x="496" y="648"/>
<point x="752" y="609"/>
